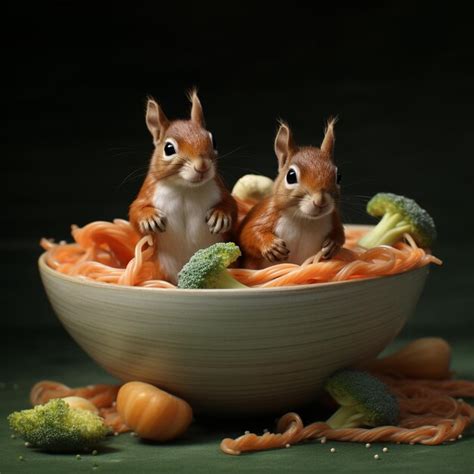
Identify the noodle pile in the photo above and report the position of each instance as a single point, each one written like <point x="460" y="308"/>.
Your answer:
<point x="113" y="252"/>
<point x="429" y="415"/>
<point x="103" y="396"/>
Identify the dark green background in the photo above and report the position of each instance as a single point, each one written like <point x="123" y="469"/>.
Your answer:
<point x="399" y="75"/>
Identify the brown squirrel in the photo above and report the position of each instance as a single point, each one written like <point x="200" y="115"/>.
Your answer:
<point x="183" y="199"/>
<point x="301" y="217"/>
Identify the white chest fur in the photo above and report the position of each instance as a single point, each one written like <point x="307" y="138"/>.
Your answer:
<point x="303" y="237"/>
<point x="186" y="229"/>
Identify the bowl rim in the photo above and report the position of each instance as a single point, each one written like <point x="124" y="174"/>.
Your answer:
<point x="44" y="267"/>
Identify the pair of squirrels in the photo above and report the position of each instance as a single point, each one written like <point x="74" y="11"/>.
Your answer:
<point x="184" y="200"/>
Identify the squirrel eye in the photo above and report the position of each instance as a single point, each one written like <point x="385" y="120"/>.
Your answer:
<point x="170" y="149"/>
<point x="291" y="176"/>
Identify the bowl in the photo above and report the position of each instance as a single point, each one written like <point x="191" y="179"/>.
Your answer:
<point x="234" y="352"/>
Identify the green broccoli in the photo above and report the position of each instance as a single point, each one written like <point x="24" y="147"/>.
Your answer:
<point x="207" y="268"/>
<point x="400" y="215"/>
<point x="56" y="426"/>
<point x="364" y="400"/>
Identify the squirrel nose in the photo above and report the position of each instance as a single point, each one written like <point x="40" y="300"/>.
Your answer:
<point x="319" y="200"/>
<point x="201" y="166"/>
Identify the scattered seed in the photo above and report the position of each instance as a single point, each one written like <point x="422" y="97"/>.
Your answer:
<point x="459" y="436"/>
<point x="12" y="436"/>
<point x="385" y="450"/>
<point x="132" y="433"/>
<point x="21" y="458"/>
<point x="95" y="452"/>
<point x="78" y="456"/>
<point x="27" y="445"/>
<point x="247" y="432"/>
<point x="287" y="445"/>
<point x="323" y="440"/>
<point x="376" y="456"/>
<point x="333" y="450"/>
<point x="95" y="467"/>
<point x="116" y="433"/>
<point x="367" y="445"/>
<point x="265" y="430"/>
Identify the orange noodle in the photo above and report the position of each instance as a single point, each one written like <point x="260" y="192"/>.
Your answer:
<point x="103" y="396"/>
<point x="428" y="415"/>
<point x="113" y="252"/>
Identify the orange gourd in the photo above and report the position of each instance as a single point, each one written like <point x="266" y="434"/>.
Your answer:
<point x="426" y="358"/>
<point x="153" y="413"/>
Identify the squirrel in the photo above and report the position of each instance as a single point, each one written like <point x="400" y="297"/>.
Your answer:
<point x="301" y="216"/>
<point x="183" y="200"/>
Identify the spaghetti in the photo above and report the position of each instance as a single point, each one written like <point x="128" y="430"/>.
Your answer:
<point x="429" y="415"/>
<point x="103" y="396"/>
<point x="113" y="252"/>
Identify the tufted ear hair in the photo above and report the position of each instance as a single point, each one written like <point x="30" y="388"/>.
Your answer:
<point x="284" y="144"/>
<point x="197" y="115"/>
<point x="156" y="120"/>
<point x="327" y="146"/>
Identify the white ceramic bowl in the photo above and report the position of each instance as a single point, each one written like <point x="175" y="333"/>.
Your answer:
<point x="234" y="351"/>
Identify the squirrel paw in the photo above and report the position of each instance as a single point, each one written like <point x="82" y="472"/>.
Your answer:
<point x="329" y="248"/>
<point x="154" y="223"/>
<point x="276" y="251"/>
<point x="218" y="221"/>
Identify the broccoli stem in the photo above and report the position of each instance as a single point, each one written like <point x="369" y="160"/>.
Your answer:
<point x="390" y="229"/>
<point x="346" y="416"/>
<point x="226" y="280"/>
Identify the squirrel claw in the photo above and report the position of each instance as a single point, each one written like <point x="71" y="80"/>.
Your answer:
<point x="156" y="223"/>
<point x="329" y="248"/>
<point x="218" y="221"/>
<point x="276" y="251"/>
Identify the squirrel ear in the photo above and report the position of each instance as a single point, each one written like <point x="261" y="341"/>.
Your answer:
<point x="327" y="146"/>
<point x="284" y="144"/>
<point x="156" y="120"/>
<point x="197" y="115"/>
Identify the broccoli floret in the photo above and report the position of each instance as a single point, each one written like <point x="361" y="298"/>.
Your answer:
<point x="400" y="215"/>
<point x="56" y="426"/>
<point x="364" y="400"/>
<point x="207" y="268"/>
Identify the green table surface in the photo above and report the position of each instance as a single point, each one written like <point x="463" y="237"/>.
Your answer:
<point x="51" y="354"/>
